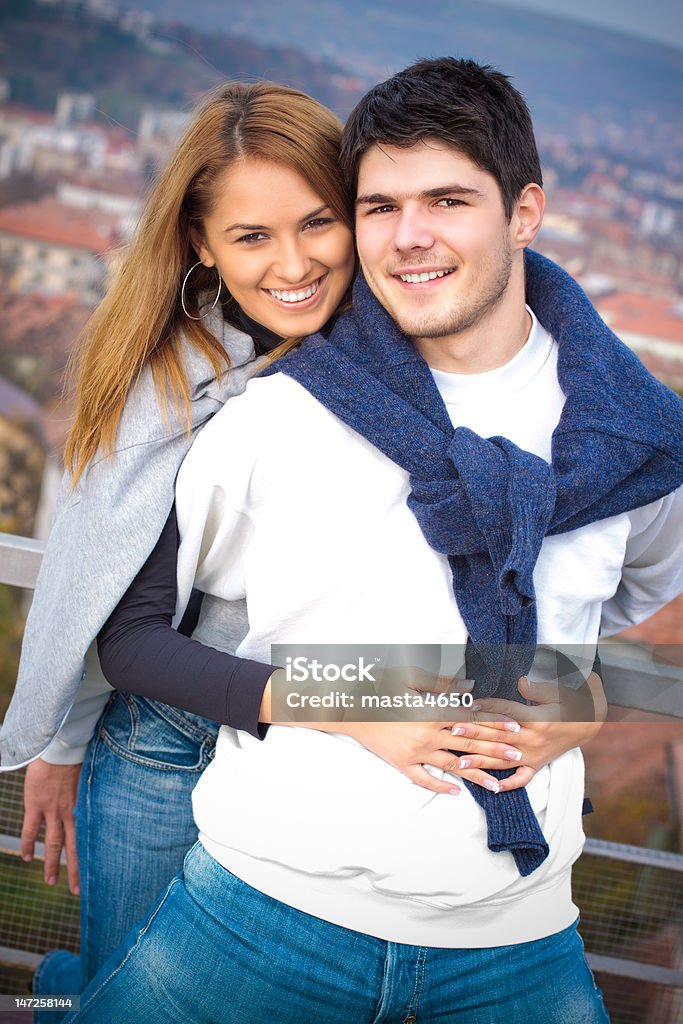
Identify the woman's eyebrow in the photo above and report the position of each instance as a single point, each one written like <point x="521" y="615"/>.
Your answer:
<point x="247" y="227"/>
<point x="264" y="227"/>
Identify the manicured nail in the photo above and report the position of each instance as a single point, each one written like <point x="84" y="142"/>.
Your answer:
<point x="457" y="730"/>
<point x="512" y="726"/>
<point x="454" y="792"/>
<point x="492" y="785"/>
<point x="513" y="755"/>
<point x="465" y="762"/>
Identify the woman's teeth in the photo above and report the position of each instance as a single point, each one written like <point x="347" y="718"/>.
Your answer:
<point x="419" y="278"/>
<point x="305" y="293"/>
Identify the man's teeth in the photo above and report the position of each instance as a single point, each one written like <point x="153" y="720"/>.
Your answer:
<point x="305" y="293"/>
<point x="419" y="278"/>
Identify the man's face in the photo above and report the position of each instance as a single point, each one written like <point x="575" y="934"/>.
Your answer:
<point x="434" y="242"/>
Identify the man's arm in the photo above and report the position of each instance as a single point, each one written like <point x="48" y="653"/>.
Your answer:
<point x="653" y="565"/>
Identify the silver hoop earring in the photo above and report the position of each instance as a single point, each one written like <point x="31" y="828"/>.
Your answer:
<point x="182" y="293"/>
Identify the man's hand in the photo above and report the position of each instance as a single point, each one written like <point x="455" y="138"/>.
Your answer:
<point x="544" y="733"/>
<point x="50" y="796"/>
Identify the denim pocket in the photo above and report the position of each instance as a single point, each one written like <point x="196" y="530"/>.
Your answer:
<point x="156" y="735"/>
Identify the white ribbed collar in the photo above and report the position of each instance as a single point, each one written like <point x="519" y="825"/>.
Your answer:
<point x="466" y="388"/>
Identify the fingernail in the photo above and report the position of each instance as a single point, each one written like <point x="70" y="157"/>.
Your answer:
<point x="76" y="891"/>
<point x="476" y="707"/>
<point x="27" y="857"/>
<point x="492" y="785"/>
<point x="52" y="881"/>
<point x="454" y="792"/>
<point x="465" y="762"/>
<point x="511" y="726"/>
<point x="513" y="755"/>
<point x="457" y="731"/>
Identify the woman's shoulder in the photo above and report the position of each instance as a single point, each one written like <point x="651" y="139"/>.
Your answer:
<point x="146" y="417"/>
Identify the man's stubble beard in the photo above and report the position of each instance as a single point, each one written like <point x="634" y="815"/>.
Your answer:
<point x="467" y="311"/>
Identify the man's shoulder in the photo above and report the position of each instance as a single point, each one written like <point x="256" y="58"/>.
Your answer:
<point x="267" y="402"/>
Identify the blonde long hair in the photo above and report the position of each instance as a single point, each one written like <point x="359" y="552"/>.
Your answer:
<point x="141" y="317"/>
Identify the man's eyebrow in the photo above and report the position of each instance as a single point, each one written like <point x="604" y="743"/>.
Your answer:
<point x="264" y="227"/>
<point x="450" y="190"/>
<point x="378" y="198"/>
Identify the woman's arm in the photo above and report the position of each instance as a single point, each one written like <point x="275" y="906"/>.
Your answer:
<point x="141" y="653"/>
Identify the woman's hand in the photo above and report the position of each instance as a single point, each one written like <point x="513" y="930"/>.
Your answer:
<point x="544" y="735"/>
<point x="50" y="796"/>
<point x="409" y="746"/>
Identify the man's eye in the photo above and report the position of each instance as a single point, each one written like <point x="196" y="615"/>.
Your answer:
<point x="387" y="208"/>
<point x="449" y="203"/>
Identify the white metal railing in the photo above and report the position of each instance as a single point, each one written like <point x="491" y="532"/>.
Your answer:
<point x="20" y="559"/>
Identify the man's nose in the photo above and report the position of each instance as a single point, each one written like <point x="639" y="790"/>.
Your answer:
<point x="413" y="231"/>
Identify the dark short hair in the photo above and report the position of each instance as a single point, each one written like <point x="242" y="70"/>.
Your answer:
<point x="469" y="106"/>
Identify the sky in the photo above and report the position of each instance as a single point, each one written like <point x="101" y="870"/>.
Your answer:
<point x="661" y="20"/>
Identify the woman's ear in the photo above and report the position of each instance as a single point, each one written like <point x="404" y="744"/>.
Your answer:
<point x="201" y="248"/>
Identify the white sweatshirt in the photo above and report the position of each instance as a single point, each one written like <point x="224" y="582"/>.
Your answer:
<point x="280" y="502"/>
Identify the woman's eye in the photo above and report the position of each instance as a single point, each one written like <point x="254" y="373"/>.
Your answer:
<point x="254" y="236"/>
<point x="319" y="222"/>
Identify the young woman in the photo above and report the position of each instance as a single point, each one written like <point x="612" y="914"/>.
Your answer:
<point x="169" y="344"/>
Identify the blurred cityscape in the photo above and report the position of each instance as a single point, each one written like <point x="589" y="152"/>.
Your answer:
<point x="73" y="180"/>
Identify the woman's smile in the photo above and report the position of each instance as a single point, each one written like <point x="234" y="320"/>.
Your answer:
<point x="282" y="253"/>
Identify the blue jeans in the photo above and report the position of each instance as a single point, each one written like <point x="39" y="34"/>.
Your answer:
<point x="134" y="826"/>
<point x="215" y="951"/>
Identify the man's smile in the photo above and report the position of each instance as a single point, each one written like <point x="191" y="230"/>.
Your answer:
<point x="423" y="277"/>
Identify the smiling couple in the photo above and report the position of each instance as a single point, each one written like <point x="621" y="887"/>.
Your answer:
<point x="520" y="477"/>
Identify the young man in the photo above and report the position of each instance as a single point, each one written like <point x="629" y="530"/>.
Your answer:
<point x="327" y="887"/>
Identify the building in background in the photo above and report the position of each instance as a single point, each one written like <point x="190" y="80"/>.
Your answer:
<point x="49" y="248"/>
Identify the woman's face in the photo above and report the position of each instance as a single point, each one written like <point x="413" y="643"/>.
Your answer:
<point x="282" y="253"/>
